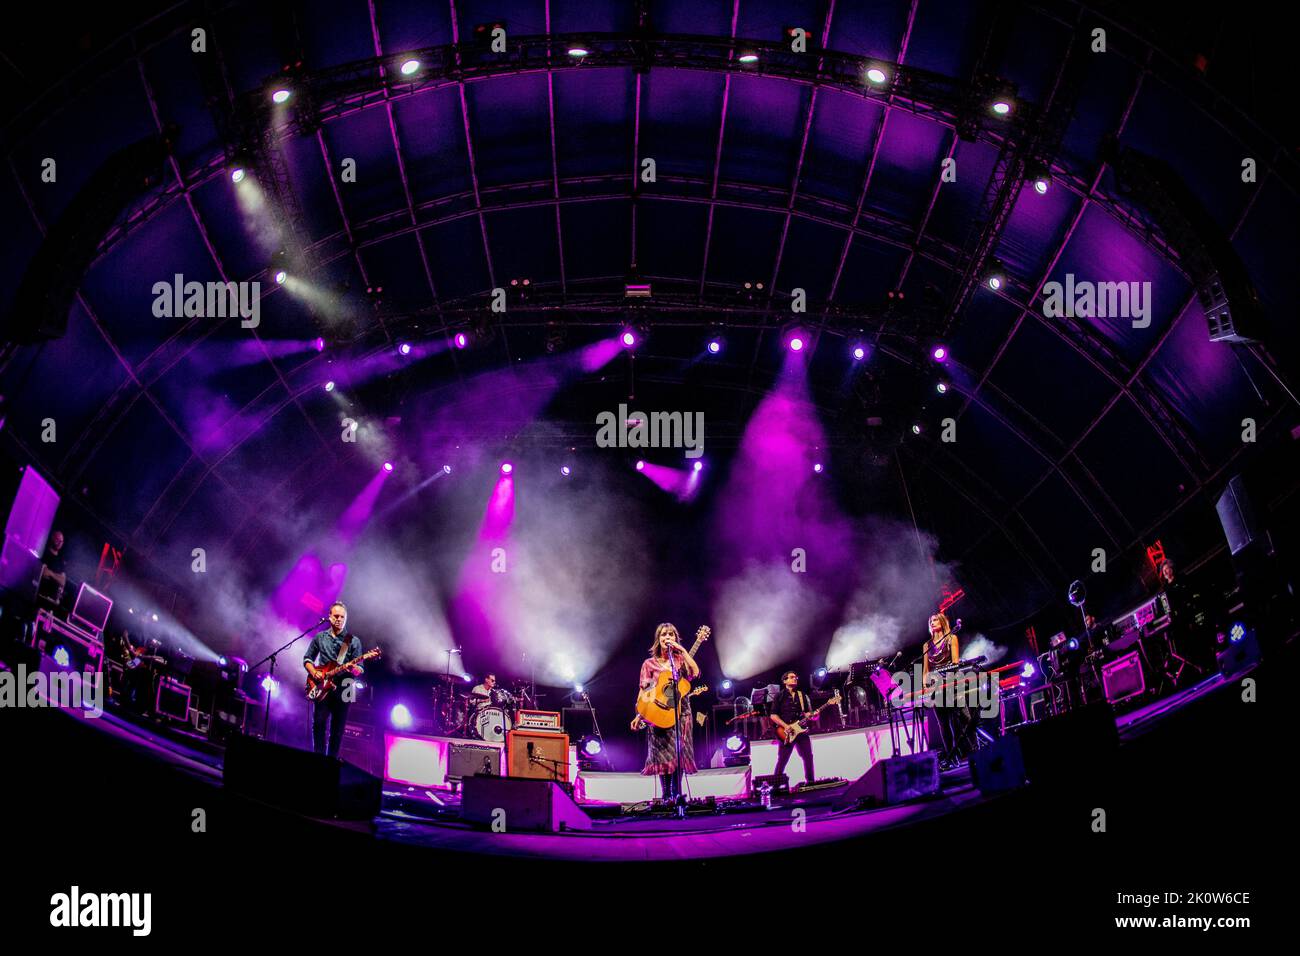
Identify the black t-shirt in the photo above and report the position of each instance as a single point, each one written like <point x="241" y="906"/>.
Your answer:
<point x="54" y="561"/>
<point x="790" y="707"/>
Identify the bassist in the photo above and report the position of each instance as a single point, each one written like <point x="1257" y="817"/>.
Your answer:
<point x="791" y="706"/>
<point x="331" y="646"/>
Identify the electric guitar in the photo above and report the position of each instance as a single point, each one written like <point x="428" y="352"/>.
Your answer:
<point x="694" y="690"/>
<point x="320" y="689"/>
<point x="790" y="731"/>
<point x="653" y="704"/>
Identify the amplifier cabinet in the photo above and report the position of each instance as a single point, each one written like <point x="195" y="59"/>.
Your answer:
<point x="538" y="755"/>
<point x="1123" y="677"/>
<point x="172" y="699"/>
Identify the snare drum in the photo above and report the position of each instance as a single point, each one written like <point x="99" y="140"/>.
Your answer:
<point x="491" y="724"/>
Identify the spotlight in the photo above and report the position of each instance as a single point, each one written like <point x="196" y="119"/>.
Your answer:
<point x="698" y="466"/>
<point x="916" y="429"/>
<point x="222" y="661"/>
<point x="735" y="743"/>
<point x="460" y="340"/>
<point x="1041" y="182"/>
<point x="859" y="353"/>
<point x="796" y="343"/>
<point x="995" y="279"/>
<point x="591" y="746"/>
<point x="270" y="685"/>
<point x="280" y="276"/>
<point x="506" y="468"/>
<point x="578" y="52"/>
<point x="939" y="353"/>
<point x="640" y="465"/>
<point x="566" y="471"/>
<point x="405" y="348"/>
<point x="319" y="344"/>
<point x="942" y="388"/>
<point x="410" y="67"/>
<point x="1237" y="632"/>
<point x="1029" y="671"/>
<point x="726" y="690"/>
<point x="817" y="468"/>
<point x="629" y="339"/>
<point x="1001" y="106"/>
<point x="61" y="656"/>
<point x="280" y="96"/>
<point x="748" y="57"/>
<point x="446" y="469"/>
<point x="155" y="617"/>
<point x="388" y="466"/>
<point x="577" y="688"/>
<point x="818" y="678"/>
<point x="237" y="175"/>
<point x="400" y="716"/>
<point x="329" y="386"/>
<point x="715" y="346"/>
<point x="876" y="75"/>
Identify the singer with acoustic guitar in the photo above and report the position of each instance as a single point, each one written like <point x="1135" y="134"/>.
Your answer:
<point x="331" y="647"/>
<point x="659" y="693"/>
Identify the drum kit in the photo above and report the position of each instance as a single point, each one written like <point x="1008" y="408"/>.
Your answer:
<point x="488" y="717"/>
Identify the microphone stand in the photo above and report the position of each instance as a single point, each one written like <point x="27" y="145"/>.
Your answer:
<point x="595" y="724"/>
<point x="678" y="778"/>
<point x="266" y="718"/>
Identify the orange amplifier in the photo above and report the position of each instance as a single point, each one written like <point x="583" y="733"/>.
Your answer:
<point x="538" y="720"/>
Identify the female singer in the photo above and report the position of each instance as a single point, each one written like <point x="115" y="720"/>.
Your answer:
<point x="946" y="722"/>
<point x="661" y="742"/>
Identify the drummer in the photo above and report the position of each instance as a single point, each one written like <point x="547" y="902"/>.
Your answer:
<point x="484" y="694"/>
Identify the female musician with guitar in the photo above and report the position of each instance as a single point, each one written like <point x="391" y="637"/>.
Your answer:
<point x="659" y="698"/>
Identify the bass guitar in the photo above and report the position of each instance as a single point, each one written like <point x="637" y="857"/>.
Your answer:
<point x="654" y="704"/>
<point x="320" y="689"/>
<point x="790" y="731"/>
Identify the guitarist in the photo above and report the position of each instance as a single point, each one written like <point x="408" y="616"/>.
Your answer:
<point x="330" y="646"/>
<point x="662" y="743"/>
<point x="792" y="705"/>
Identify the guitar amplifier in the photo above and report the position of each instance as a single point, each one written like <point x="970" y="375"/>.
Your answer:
<point x="468" y="760"/>
<point x="172" y="699"/>
<point x="538" y="755"/>
<point x="1123" y="678"/>
<point x="538" y="720"/>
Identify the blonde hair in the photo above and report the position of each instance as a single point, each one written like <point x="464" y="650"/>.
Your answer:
<point x="943" y="619"/>
<point x="659" y="632"/>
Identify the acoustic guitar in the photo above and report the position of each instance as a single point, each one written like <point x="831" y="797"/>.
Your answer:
<point x="654" y="704"/>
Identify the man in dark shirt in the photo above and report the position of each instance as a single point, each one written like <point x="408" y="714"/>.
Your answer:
<point x="792" y="705"/>
<point x="54" y="573"/>
<point x="330" y="646"/>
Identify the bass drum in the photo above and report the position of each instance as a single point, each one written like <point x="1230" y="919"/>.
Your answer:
<point x="491" y="724"/>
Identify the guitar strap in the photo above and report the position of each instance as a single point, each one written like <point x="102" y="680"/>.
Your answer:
<point x="343" y="651"/>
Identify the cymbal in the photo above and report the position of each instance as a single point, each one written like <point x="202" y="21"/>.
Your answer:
<point x="449" y="678"/>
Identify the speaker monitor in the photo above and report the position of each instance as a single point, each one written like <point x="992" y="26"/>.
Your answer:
<point x="537" y="755"/>
<point x="518" y="804"/>
<point x="1070" y="745"/>
<point x="894" y="780"/>
<point x="299" y="780"/>
<point x="468" y="760"/>
<point x="998" y="767"/>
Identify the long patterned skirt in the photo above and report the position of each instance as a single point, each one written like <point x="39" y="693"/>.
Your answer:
<point x="661" y="747"/>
